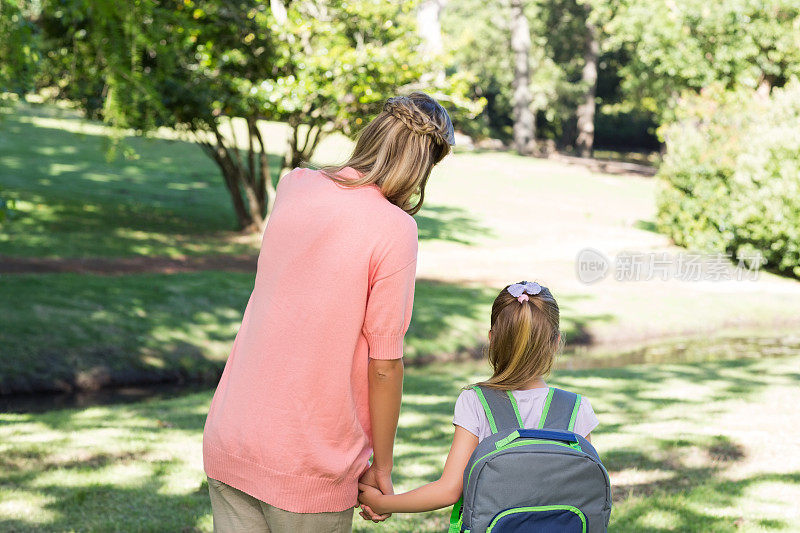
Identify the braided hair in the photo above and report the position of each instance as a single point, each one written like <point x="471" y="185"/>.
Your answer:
<point x="398" y="148"/>
<point x="407" y="110"/>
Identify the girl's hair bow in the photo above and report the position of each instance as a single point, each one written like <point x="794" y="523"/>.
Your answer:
<point x="521" y="290"/>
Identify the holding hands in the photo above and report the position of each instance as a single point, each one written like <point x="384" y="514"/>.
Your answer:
<point x="374" y="483"/>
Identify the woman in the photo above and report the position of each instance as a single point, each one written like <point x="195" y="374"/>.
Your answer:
<point x="312" y="386"/>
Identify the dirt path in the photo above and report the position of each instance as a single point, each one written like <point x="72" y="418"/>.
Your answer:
<point x="127" y="265"/>
<point x="607" y="166"/>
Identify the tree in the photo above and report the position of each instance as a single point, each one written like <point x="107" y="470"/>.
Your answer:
<point x="476" y="30"/>
<point x="18" y="52"/>
<point x="18" y="58"/>
<point x="149" y="64"/>
<point x="318" y="66"/>
<point x="430" y="31"/>
<point x="730" y="182"/>
<point x="674" y="47"/>
<point x="524" y="119"/>
<point x="342" y="60"/>
<point x="586" y="108"/>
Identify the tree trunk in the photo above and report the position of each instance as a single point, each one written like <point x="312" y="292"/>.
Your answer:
<point x="586" y="109"/>
<point x="255" y="207"/>
<point x="300" y="151"/>
<point x="430" y="30"/>
<point x="265" y="188"/>
<point x="230" y="175"/>
<point x="524" y="119"/>
<point x="245" y="179"/>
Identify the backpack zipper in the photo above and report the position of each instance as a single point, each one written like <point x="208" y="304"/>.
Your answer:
<point x="516" y="444"/>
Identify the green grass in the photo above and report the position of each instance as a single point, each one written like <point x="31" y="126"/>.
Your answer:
<point x="489" y="219"/>
<point x="709" y="448"/>
<point x="87" y="329"/>
<point x="169" y="200"/>
<point x="94" y="330"/>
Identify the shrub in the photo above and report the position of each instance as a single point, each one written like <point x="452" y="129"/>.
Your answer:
<point x="730" y="181"/>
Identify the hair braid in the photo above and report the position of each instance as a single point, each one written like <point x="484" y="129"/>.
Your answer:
<point x="404" y="109"/>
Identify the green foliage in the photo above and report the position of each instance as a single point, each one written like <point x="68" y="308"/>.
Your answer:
<point x="341" y="60"/>
<point x="193" y="66"/>
<point x="673" y="45"/>
<point x="477" y="39"/>
<point x="18" y="50"/>
<point x="730" y="178"/>
<point x="185" y="64"/>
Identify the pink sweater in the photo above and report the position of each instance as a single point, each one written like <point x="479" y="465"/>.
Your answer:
<point x="289" y="422"/>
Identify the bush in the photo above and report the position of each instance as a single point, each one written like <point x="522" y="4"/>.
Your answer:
<point x="730" y="181"/>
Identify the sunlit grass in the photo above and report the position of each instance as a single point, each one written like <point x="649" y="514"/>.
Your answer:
<point x="688" y="448"/>
<point x="489" y="219"/>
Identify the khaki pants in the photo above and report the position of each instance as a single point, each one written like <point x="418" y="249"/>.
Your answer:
<point x="238" y="512"/>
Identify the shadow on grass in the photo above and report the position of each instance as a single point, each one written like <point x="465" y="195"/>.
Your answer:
<point x="680" y="505"/>
<point x="646" y="225"/>
<point x="689" y="469"/>
<point x="126" y="485"/>
<point x="575" y="327"/>
<point x="73" y="202"/>
<point x="85" y="332"/>
<point x="448" y="223"/>
<point x="112" y="507"/>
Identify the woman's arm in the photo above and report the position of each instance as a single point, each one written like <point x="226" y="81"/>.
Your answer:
<point x="443" y="492"/>
<point x="385" y="379"/>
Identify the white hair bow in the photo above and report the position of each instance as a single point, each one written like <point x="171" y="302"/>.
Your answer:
<point x="521" y="290"/>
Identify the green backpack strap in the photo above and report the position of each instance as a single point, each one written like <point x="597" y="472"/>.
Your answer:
<point x="560" y="410"/>
<point x="456" y="517"/>
<point x="500" y="407"/>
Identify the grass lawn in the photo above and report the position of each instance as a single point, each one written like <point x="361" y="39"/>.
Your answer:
<point x="95" y="330"/>
<point x="169" y="200"/>
<point x="489" y="219"/>
<point x="711" y="447"/>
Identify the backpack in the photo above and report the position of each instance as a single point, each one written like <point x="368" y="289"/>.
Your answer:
<point x="533" y="480"/>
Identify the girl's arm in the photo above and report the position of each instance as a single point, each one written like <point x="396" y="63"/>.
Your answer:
<point x="443" y="492"/>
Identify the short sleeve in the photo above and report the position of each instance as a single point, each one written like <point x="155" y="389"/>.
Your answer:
<point x="390" y="301"/>
<point x="467" y="412"/>
<point x="586" y="421"/>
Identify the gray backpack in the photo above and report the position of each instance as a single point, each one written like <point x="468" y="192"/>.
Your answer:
<point x="545" y="480"/>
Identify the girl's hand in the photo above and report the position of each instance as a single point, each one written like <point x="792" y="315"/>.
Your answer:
<point x="382" y="481"/>
<point x="371" y="497"/>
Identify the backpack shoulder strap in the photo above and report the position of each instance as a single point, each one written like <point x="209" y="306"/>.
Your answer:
<point x="500" y="408"/>
<point x="560" y="410"/>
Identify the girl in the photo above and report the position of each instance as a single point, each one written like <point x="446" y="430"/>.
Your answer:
<point x="313" y="382"/>
<point x="523" y="341"/>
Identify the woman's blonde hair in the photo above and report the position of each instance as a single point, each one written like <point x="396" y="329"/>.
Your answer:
<point x="524" y="339"/>
<point x="398" y="149"/>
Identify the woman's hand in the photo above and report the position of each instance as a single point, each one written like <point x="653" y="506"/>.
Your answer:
<point x="380" y="480"/>
<point x="371" y="497"/>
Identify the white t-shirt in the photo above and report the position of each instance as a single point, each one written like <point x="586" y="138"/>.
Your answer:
<point x="469" y="413"/>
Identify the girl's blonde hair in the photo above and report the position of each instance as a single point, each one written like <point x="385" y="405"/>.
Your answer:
<point x="398" y="149"/>
<point x="524" y="339"/>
